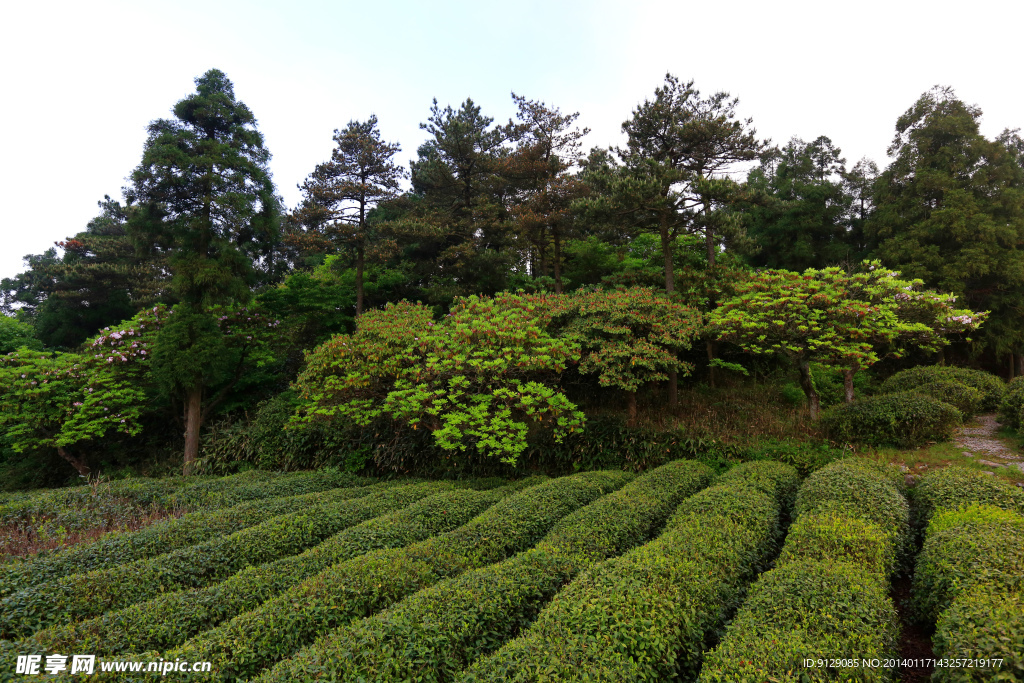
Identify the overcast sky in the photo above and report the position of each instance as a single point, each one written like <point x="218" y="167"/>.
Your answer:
<point x="82" y="79"/>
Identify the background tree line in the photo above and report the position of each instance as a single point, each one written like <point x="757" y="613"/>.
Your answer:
<point x="202" y="267"/>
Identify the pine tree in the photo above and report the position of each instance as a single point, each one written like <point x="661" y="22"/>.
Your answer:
<point x="340" y="193"/>
<point x="204" y="199"/>
<point x="950" y="210"/>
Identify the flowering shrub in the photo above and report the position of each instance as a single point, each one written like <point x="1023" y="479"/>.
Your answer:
<point x="477" y="377"/>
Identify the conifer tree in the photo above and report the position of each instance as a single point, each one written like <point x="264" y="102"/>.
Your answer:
<point x="206" y="201"/>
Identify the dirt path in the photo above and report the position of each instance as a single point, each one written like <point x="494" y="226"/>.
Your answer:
<point x="982" y="443"/>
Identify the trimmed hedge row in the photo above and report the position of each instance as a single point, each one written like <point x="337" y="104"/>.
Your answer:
<point x="647" y="615"/>
<point x="170" y="619"/>
<point x="828" y="595"/>
<point x="80" y="596"/>
<point x="162" y="537"/>
<point x="991" y="387"/>
<point x="961" y="396"/>
<point x="1011" y="409"/>
<point x="956" y="487"/>
<point x="984" y="623"/>
<point x="976" y="546"/>
<point x="361" y="586"/>
<point x="905" y="419"/>
<point x="435" y="633"/>
<point x="81" y="507"/>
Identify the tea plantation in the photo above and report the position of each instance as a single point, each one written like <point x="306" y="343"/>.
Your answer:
<point x="677" y="574"/>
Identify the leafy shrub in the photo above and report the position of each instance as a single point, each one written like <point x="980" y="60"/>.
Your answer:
<point x="171" y="618"/>
<point x="830" y="535"/>
<point x="984" y="623"/>
<point x="359" y="587"/>
<point x="808" y="609"/>
<point x="79" y="596"/>
<point x="172" y="534"/>
<point x="905" y="419"/>
<point x="958" y="487"/>
<point x="435" y="633"/>
<point x="860" y="489"/>
<point x="978" y="545"/>
<point x="646" y="615"/>
<point x="1011" y="409"/>
<point x="961" y="396"/>
<point x="805" y="457"/>
<point x="828" y="595"/>
<point x="909" y="380"/>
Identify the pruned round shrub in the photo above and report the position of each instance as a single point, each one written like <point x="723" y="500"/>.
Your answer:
<point x="1011" y="410"/>
<point x="983" y="624"/>
<point x="957" y="487"/>
<point x="908" y="380"/>
<point x="979" y="545"/>
<point x="963" y="397"/>
<point x="904" y="419"/>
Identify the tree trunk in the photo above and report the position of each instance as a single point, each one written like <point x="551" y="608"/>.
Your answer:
<point x="673" y="390"/>
<point x="1020" y="364"/>
<point x="666" y="249"/>
<point x="942" y="356"/>
<point x="711" y="368"/>
<point x="558" y="262"/>
<point x="1013" y="366"/>
<point x="807" y="384"/>
<point x="631" y="397"/>
<point x="76" y="462"/>
<point x="193" y="415"/>
<point x="848" y="383"/>
<point x="360" y="262"/>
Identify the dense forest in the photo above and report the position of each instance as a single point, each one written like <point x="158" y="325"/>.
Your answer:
<point x="506" y="297"/>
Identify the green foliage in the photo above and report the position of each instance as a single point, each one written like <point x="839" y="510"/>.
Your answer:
<point x="652" y="609"/>
<point x="803" y="218"/>
<point x="409" y="513"/>
<point x="1012" y="406"/>
<point x="991" y="387"/>
<point x="478" y="377"/>
<point x="219" y="512"/>
<point x="64" y="401"/>
<point x="828" y="595"/>
<point x="434" y="634"/>
<point x="302" y="523"/>
<point x="204" y="194"/>
<point x="808" y="610"/>
<point x="628" y="336"/>
<point x="975" y="546"/>
<point x="905" y="419"/>
<point x="949" y="210"/>
<point x="364" y="585"/>
<point x="964" y="398"/>
<point x="831" y="317"/>
<point x="860" y="489"/>
<point x="806" y="457"/>
<point x="832" y="534"/>
<point x="954" y="487"/>
<point x="15" y="334"/>
<point x="982" y="624"/>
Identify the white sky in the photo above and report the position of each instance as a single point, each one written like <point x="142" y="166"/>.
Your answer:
<point x="81" y="80"/>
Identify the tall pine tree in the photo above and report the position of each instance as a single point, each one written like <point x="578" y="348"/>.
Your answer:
<point x="206" y="201"/>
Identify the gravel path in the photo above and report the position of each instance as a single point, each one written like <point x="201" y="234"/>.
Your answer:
<point x="981" y="442"/>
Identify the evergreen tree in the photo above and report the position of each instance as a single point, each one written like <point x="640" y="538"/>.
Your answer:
<point x="206" y="201"/>
<point x="340" y="193"/>
<point x="808" y="223"/>
<point x="547" y="148"/>
<point x="950" y="210"/>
